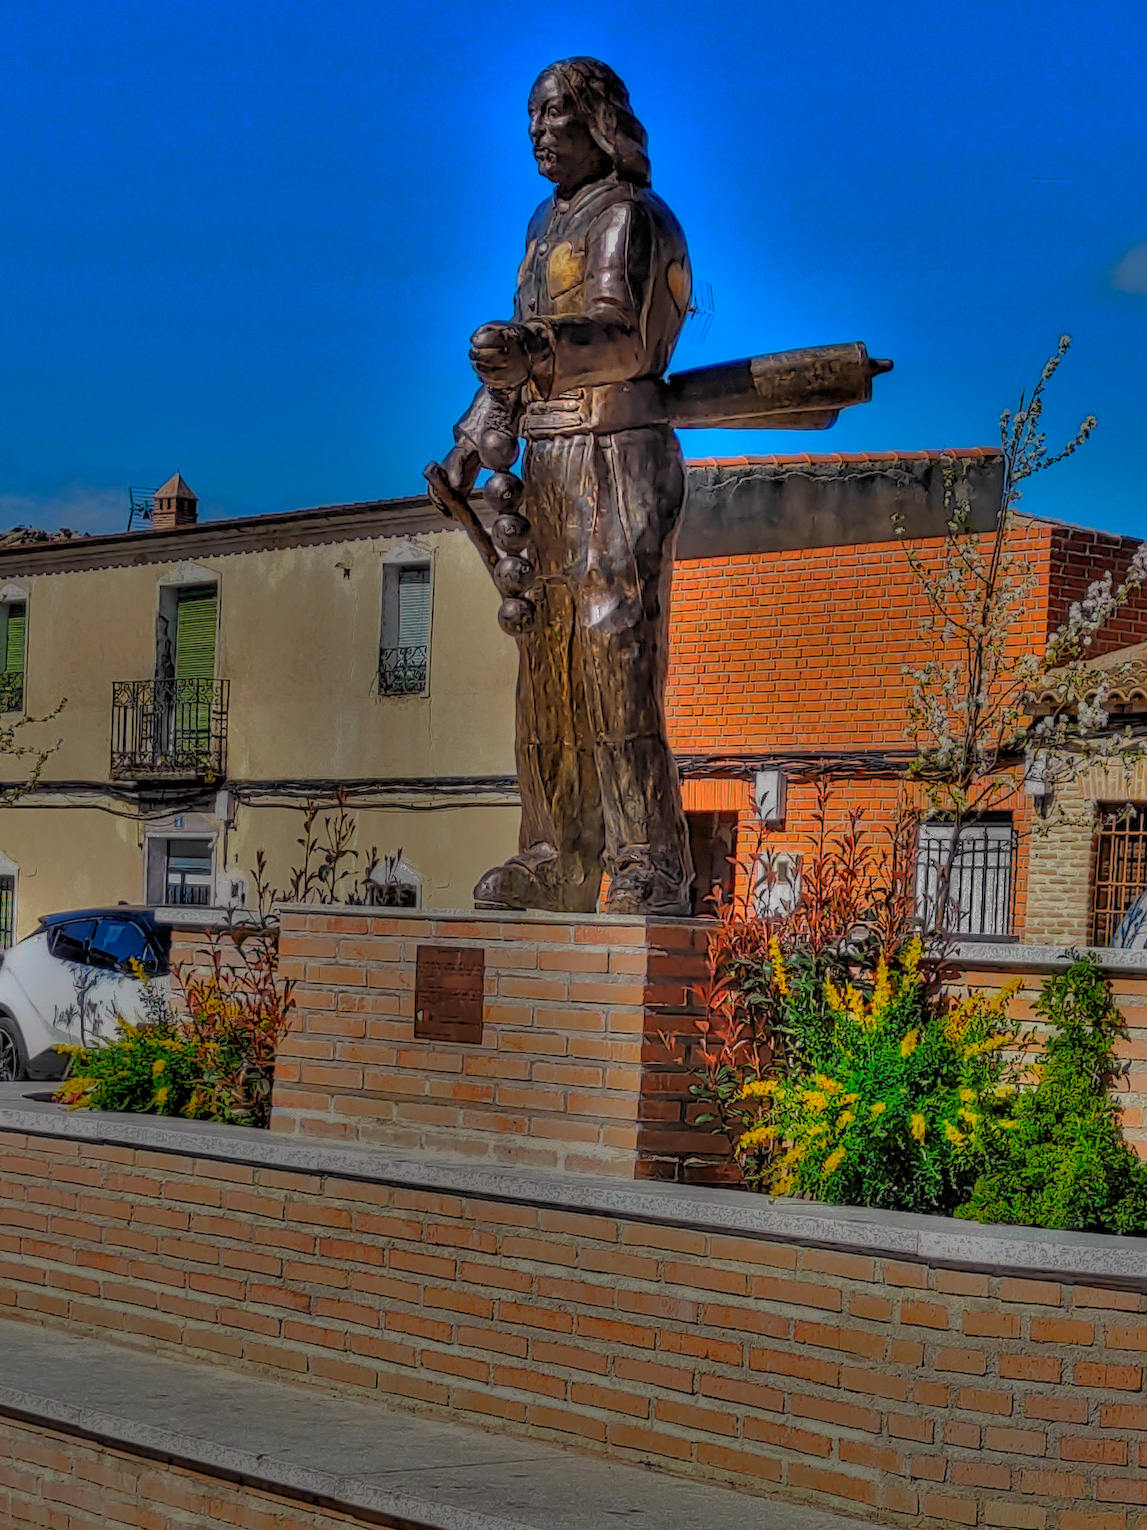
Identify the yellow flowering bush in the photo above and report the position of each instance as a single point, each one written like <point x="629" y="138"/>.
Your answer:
<point x="152" y="1069"/>
<point x="892" y="1097"/>
<point x="831" y="1058"/>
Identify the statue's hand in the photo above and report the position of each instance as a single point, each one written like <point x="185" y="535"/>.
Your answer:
<point x="499" y="356"/>
<point x="461" y="465"/>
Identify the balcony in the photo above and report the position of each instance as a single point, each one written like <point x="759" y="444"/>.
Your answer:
<point x="169" y="729"/>
<point x="12" y="690"/>
<point x="402" y="671"/>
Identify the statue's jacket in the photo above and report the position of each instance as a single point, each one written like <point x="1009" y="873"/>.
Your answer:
<point x="603" y="288"/>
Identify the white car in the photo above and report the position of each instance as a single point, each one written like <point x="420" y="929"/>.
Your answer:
<point x="67" y="981"/>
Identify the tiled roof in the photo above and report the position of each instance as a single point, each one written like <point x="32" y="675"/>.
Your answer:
<point x="1127" y="672"/>
<point x="26" y="536"/>
<point x="838" y="459"/>
<point x="176" y="487"/>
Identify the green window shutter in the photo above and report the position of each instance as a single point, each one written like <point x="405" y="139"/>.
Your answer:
<point x="15" y="638"/>
<point x="414" y="608"/>
<point x="195" y="621"/>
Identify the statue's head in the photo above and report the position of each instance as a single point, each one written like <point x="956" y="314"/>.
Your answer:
<point x="582" y="126"/>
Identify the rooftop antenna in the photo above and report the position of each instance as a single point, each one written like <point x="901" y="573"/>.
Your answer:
<point x="142" y="502"/>
<point x="699" y="314"/>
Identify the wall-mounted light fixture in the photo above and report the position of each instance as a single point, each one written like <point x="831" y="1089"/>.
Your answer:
<point x="769" y="789"/>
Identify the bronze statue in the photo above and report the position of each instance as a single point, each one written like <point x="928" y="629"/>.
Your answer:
<point x="585" y="567"/>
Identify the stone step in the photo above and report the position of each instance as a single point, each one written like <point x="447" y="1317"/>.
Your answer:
<point x="362" y="1460"/>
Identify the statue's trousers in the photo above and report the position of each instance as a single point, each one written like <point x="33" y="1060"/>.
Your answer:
<point x="597" y="778"/>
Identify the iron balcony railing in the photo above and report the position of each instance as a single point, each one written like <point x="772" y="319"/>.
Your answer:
<point x="169" y="728"/>
<point x="11" y="690"/>
<point x="402" y="671"/>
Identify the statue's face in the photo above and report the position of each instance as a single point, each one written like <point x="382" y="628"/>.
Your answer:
<point x="563" y="145"/>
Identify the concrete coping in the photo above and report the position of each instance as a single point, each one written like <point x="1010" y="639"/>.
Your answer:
<point x="374" y="1463"/>
<point x="1091" y="1258"/>
<point x="1005" y="954"/>
<point x="494" y="916"/>
<point x="966" y="953"/>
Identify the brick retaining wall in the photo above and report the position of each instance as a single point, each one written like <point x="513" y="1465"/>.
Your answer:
<point x="915" y="1389"/>
<point x="69" y="1483"/>
<point x="589" y="1027"/>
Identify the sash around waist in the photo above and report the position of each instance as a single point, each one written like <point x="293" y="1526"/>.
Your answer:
<point x="598" y="410"/>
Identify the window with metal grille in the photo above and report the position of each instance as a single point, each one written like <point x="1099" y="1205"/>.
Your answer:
<point x="980" y="902"/>
<point x="404" y="657"/>
<point x="7" y="912"/>
<point x="1119" y="873"/>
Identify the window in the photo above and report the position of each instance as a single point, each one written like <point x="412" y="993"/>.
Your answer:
<point x="1119" y="875"/>
<point x="13" y="629"/>
<point x="7" y="911"/>
<point x="180" y="872"/>
<point x="71" y="942"/>
<point x="981" y="887"/>
<point x="196" y="616"/>
<point x="404" y="657"/>
<point x="713" y="845"/>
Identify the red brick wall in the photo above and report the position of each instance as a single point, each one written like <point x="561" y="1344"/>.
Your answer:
<point x="1078" y="558"/>
<point x="65" y="1482"/>
<point x="908" y="1388"/>
<point x="805" y="650"/>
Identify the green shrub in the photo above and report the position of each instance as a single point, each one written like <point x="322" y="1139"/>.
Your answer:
<point x="891" y="1094"/>
<point x="151" y="1068"/>
<point x="1065" y="1163"/>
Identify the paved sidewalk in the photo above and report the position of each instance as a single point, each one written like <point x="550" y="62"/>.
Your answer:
<point x="421" y="1472"/>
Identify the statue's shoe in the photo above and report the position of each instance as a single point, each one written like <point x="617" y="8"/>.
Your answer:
<point x="639" y="887"/>
<point x="530" y="881"/>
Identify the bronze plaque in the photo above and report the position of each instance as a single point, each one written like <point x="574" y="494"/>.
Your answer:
<point x="449" y="984"/>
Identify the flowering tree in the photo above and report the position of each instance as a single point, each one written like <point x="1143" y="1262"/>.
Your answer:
<point x="970" y="713"/>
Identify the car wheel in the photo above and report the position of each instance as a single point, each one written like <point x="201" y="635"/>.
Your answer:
<point x="13" y="1062"/>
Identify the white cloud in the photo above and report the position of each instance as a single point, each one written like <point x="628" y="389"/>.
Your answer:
<point x="74" y="505"/>
<point x="1130" y="275"/>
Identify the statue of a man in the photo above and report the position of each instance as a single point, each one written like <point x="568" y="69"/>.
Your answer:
<point x="602" y="294"/>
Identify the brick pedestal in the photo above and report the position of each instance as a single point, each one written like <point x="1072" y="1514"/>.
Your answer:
<point x="579" y="1061"/>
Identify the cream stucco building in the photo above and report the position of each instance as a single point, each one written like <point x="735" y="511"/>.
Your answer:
<point x="216" y="675"/>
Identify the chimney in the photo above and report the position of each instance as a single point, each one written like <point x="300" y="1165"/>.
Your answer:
<point x="174" y="505"/>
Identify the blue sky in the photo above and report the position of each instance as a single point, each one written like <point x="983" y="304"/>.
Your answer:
<point x="249" y="241"/>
